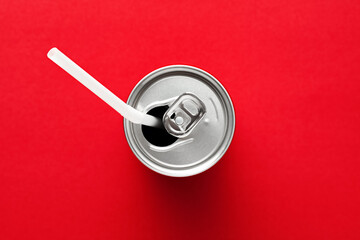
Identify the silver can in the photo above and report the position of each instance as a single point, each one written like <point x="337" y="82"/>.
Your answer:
<point x="198" y="117"/>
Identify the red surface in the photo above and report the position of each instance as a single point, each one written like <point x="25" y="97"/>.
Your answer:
<point x="291" y="67"/>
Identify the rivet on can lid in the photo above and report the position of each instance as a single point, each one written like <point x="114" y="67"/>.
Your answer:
<point x="179" y="120"/>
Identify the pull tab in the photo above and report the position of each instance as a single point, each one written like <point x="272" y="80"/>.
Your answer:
<point x="183" y="115"/>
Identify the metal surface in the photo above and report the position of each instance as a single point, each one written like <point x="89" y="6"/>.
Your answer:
<point x="208" y="141"/>
<point x="183" y="115"/>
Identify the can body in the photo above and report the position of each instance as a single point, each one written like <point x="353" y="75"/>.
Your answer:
<point x="207" y="142"/>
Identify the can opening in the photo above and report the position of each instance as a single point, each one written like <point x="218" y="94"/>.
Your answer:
<point x="158" y="136"/>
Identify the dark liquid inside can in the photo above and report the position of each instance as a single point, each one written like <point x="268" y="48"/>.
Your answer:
<point x="158" y="136"/>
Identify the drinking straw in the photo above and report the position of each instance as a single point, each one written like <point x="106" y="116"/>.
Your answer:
<point x="102" y="92"/>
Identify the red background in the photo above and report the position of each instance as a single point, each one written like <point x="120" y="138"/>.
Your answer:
<point x="291" y="67"/>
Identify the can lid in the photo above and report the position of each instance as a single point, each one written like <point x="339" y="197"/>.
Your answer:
<point x="192" y="152"/>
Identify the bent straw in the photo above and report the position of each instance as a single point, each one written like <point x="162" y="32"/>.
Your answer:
<point x="102" y="92"/>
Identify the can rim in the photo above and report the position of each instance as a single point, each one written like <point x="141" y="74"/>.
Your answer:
<point x="179" y="172"/>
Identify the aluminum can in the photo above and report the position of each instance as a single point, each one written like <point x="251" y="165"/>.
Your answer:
<point x="182" y="96"/>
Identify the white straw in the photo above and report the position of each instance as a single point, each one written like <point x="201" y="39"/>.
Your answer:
<point x="102" y="92"/>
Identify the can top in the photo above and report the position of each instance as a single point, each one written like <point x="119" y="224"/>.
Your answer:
<point x="205" y="144"/>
